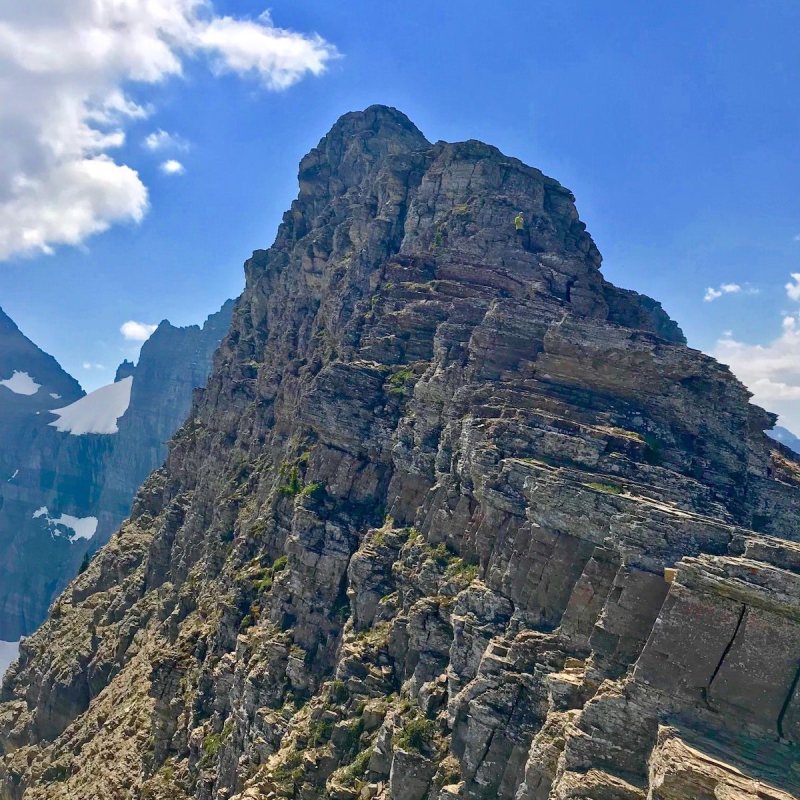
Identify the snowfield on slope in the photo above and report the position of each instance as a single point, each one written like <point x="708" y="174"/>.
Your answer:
<point x="21" y="383"/>
<point x="82" y="527"/>
<point x="97" y="412"/>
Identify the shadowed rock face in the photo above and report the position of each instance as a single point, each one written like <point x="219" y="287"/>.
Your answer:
<point x="173" y="363"/>
<point x="412" y="540"/>
<point x="89" y="476"/>
<point x="26" y="444"/>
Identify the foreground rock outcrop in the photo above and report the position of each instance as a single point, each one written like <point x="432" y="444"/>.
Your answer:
<point x="453" y="518"/>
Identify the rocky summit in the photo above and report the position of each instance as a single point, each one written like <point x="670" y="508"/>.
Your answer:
<point x="453" y="518"/>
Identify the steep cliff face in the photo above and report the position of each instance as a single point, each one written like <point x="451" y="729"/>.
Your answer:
<point x="70" y="466"/>
<point x="453" y="518"/>
<point x="173" y="363"/>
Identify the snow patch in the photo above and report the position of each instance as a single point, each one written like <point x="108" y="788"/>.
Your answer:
<point x="21" y="383"/>
<point x="81" y="527"/>
<point x="97" y="412"/>
<point x="16" y="472"/>
<point x="55" y="396"/>
<point x="8" y="654"/>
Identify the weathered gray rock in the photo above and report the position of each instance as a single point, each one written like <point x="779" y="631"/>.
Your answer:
<point x="417" y="536"/>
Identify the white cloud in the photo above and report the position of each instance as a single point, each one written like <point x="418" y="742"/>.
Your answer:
<point x="89" y="365"/>
<point x="724" y="288"/>
<point x="277" y="56"/>
<point x="793" y="287"/>
<point x="137" y="331"/>
<point x="66" y="69"/>
<point x="161" y="140"/>
<point x="770" y="371"/>
<point x="172" y="167"/>
<point x="728" y="288"/>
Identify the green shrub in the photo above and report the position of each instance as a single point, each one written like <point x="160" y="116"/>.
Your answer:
<point x="417" y="734"/>
<point x="290" y="772"/>
<point x="280" y="564"/>
<point x="357" y="768"/>
<point x="441" y="555"/>
<point x="399" y="380"/>
<point x="294" y="481"/>
<point x="352" y="737"/>
<point x="212" y="744"/>
<point x="463" y="572"/>
<point x="319" y="732"/>
<point x="313" y="490"/>
<point x="338" y="692"/>
<point x="264" y="578"/>
<point x="652" y="450"/>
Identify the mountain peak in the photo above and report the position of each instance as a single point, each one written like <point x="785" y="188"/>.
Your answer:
<point x="20" y="356"/>
<point x="374" y="188"/>
<point x="449" y="505"/>
<point x="124" y="370"/>
<point x="381" y="120"/>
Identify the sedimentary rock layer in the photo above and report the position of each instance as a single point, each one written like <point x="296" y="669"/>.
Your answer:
<point x="453" y="518"/>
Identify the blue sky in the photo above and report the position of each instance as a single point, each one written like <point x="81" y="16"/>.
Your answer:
<point x="677" y="126"/>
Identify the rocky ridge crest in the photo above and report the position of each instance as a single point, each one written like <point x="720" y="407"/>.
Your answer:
<point x="454" y="518"/>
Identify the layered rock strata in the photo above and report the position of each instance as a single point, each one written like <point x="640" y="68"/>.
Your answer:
<point x="453" y="518"/>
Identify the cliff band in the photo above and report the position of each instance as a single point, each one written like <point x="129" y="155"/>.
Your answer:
<point x="412" y="541"/>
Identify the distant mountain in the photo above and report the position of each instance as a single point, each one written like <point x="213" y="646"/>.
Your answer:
<point x="786" y="437"/>
<point x="70" y="462"/>
<point x="173" y="363"/>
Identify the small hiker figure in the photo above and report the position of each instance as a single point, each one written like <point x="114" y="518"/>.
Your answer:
<point x="522" y="234"/>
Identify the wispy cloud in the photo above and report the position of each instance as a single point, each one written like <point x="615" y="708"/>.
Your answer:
<point x="724" y="288"/>
<point x="172" y="167"/>
<point x="728" y="288"/>
<point x="161" y="140"/>
<point x="771" y="371"/>
<point x="88" y="365"/>
<point x="793" y="287"/>
<point x="65" y="107"/>
<point x="135" y="331"/>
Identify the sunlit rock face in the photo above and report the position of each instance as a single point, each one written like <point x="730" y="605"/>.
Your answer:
<point x="71" y="462"/>
<point x="453" y="518"/>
